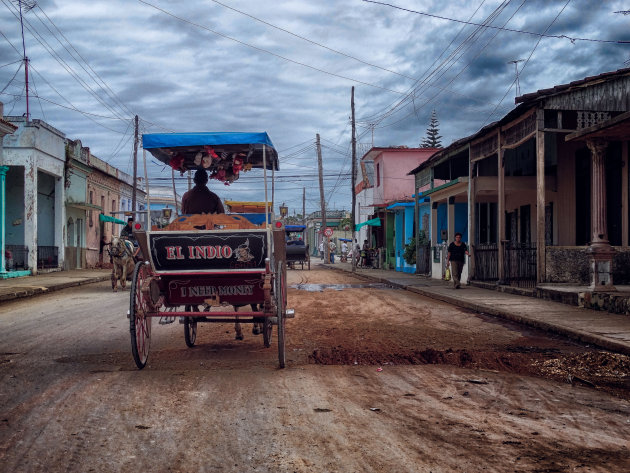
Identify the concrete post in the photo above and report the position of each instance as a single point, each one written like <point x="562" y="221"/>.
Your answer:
<point x="60" y="221"/>
<point x="3" y="205"/>
<point x="600" y="249"/>
<point x="30" y="213"/>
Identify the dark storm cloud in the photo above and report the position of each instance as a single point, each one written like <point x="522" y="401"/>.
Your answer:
<point x="186" y="78"/>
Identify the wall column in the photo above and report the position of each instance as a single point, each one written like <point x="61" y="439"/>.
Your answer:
<point x="500" y="210"/>
<point x="60" y="221"/>
<point x="624" y="194"/>
<point x="540" y="196"/>
<point x="472" y="194"/>
<point x="450" y="219"/>
<point x="600" y="249"/>
<point x="3" y="206"/>
<point x="30" y="213"/>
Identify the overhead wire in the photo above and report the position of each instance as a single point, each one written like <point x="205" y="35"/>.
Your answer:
<point x="541" y="35"/>
<point x="258" y="48"/>
<point x="92" y="73"/>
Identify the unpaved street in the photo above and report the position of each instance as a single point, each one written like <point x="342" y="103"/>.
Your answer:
<point x="377" y="380"/>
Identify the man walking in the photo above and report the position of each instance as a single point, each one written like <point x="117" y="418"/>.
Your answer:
<point x="457" y="252"/>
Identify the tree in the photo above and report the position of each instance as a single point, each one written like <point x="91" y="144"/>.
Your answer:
<point x="432" y="139"/>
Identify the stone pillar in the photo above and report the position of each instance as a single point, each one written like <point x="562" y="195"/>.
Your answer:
<point x="541" y="198"/>
<point x="3" y="206"/>
<point x="60" y="221"/>
<point x="600" y="250"/>
<point x="450" y="219"/>
<point x="30" y="213"/>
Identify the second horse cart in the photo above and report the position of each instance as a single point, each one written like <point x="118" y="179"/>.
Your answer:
<point x="203" y="268"/>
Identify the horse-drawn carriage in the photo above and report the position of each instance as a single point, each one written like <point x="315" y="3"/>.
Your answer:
<point x="202" y="268"/>
<point x="297" y="249"/>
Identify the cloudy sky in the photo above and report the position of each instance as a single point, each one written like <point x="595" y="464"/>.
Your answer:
<point x="287" y="67"/>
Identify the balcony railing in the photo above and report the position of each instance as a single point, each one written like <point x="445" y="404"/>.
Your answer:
<point x="519" y="264"/>
<point x="486" y="262"/>
<point x="16" y="257"/>
<point x="47" y="257"/>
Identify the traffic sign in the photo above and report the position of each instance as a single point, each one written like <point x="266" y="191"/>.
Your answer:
<point x="328" y="232"/>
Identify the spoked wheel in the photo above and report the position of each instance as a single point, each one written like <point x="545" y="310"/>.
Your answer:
<point x="280" y="293"/>
<point x="267" y="329"/>
<point x="190" y="329"/>
<point x="139" y="323"/>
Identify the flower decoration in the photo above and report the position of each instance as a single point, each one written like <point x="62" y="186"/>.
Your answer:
<point x="177" y="162"/>
<point x="211" y="152"/>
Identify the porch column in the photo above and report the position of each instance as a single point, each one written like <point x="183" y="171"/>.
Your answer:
<point x="450" y="218"/>
<point x="434" y="233"/>
<point x="501" y="211"/>
<point x="624" y="194"/>
<point x="30" y="213"/>
<point x="600" y="250"/>
<point x="540" y="196"/>
<point x="60" y="221"/>
<point x="3" y="206"/>
<point x="472" y="193"/>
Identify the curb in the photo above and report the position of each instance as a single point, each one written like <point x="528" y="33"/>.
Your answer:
<point x="573" y="334"/>
<point x="10" y="296"/>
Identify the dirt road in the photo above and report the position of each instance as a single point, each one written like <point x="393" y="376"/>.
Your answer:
<point x="378" y="380"/>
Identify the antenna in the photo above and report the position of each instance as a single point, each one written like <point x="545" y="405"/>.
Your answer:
<point x="26" y="6"/>
<point x="518" y="86"/>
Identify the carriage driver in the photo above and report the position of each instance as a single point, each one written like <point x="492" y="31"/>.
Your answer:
<point x="200" y="199"/>
<point x="127" y="234"/>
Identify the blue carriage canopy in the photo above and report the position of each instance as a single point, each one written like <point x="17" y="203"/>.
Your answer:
<point x="294" y="228"/>
<point x="223" y="155"/>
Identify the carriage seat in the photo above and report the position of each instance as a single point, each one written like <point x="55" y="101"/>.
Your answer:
<point x="211" y="222"/>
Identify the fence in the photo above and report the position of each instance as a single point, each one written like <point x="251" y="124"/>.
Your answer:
<point x="486" y="262"/>
<point x="16" y="257"/>
<point x="519" y="264"/>
<point x="47" y="257"/>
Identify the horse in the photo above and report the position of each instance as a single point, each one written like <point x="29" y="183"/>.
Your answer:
<point x="121" y="252"/>
<point x="257" y="329"/>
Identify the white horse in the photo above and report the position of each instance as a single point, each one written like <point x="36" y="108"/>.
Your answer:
<point x="121" y="252"/>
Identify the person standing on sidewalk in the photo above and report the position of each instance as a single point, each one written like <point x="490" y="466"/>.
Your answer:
<point x="457" y="252"/>
<point x="332" y="247"/>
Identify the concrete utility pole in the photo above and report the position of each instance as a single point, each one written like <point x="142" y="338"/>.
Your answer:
<point x="353" y="183"/>
<point x="322" y="199"/>
<point x="135" y="167"/>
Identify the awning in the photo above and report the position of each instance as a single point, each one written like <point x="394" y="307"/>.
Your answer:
<point x="375" y="222"/>
<point x="106" y="218"/>
<point x="399" y="205"/>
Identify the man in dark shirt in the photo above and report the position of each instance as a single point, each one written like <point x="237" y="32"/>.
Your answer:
<point x="199" y="199"/>
<point x="127" y="231"/>
<point x="457" y="252"/>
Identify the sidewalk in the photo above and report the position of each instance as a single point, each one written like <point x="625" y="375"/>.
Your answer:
<point x="16" y="288"/>
<point x="599" y="328"/>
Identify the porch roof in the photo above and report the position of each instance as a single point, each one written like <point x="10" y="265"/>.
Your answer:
<point x="459" y="180"/>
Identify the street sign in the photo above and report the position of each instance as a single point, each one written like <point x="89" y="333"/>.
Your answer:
<point x="328" y="232"/>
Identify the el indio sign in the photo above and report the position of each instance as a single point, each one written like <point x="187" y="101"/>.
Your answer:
<point x="328" y="232"/>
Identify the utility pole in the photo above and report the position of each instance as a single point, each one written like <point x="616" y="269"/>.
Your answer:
<point x="25" y="6"/>
<point x="304" y="215"/>
<point x="322" y="200"/>
<point x="353" y="183"/>
<point x="135" y="167"/>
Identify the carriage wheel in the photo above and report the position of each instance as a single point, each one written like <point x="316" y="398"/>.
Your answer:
<point x="267" y="330"/>
<point x="139" y="323"/>
<point x="281" y="298"/>
<point x="190" y="329"/>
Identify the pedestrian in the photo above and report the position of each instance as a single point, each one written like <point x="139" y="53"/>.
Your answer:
<point x="321" y="250"/>
<point x="457" y="252"/>
<point x="332" y="247"/>
<point x="344" y="251"/>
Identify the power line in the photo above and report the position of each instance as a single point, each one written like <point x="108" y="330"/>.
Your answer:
<point x="257" y="48"/>
<point x="542" y="35"/>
